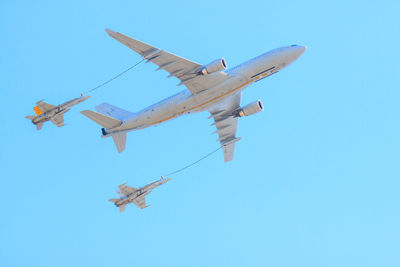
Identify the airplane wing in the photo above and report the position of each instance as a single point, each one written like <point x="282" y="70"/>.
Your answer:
<point x="186" y="71"/>
<point x="126" y="190"/>
<point x="44" y="107"/>
<point x="58" y="120"/>
<point x="226" y="124"/>
<point x="140" y="202"/>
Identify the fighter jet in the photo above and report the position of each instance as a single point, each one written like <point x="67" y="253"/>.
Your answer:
<point x="210" y="87"/>
<point x="47" y="112"/>
<point x="136" y="196"/>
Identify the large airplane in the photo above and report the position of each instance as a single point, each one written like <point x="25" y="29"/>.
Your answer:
<point x="209" y="87"/>
<point x="136" y="196"/>
<point x="55" y="114"/>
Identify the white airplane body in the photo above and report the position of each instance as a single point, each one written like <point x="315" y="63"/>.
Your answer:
<point x="208" y="88"/>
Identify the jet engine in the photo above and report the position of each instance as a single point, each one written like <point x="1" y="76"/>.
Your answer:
<point x="250" y="109"/>
<point x="216" y="65"/>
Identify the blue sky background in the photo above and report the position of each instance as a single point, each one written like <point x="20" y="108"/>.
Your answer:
<point x="315" y="179"/>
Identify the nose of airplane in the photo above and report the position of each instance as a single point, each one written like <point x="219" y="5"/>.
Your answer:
<point x="302" y="49"/>
<point x="294" y="52"/>
<point x="298" y="50"/>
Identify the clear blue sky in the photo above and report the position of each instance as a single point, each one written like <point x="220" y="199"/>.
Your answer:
<point x="315" y="179"/>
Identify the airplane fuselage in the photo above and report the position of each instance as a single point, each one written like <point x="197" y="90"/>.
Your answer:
<point x="130" y="198"/>
<point x="48" y="115"/>
<point x="184" y="102"/>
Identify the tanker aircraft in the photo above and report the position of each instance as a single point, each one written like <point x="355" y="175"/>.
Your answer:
<point x="209" y="87"/>
<point x="136" y="196"/>
<point x="47" y="112"/>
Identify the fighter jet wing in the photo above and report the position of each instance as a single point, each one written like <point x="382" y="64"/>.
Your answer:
<point x="140" y="202"/>
<point x="226" y="124"/>
<point x="186" y="71"/>
<point x="44" y="107"/>
<point x="126" y="190"/>
<point x="58" y="120"/>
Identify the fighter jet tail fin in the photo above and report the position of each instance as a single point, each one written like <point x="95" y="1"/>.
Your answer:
<point x="122" y="208"/>
<point x="38" y="125"/>
<point x="120" y="141"/>
<point x="114" y="200"/>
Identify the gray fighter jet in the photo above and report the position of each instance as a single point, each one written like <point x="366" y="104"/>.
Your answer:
<point x="47" y="112"/>
<point x="136" y="196"/>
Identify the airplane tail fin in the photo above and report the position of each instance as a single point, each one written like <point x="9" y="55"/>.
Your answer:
<point x="121" y="207"/>
<point x="37" y="110"/>
<point x="104" y="120"/>
<point x="38" y="125"/>
<point x="109" y="122"/>
<point x="113" y="111"/>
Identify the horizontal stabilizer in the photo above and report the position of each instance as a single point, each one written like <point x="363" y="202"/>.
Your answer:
<point x="113" y="200"/>
<point x="120" y="141"/>
<point x="113" y="111"/>
<point x="30" y="117"/>
<point x="104" y="120"/>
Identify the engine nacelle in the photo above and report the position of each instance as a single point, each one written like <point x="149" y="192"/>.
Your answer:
<point x="250" y="109"/>
<point x="216" y="65"/>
